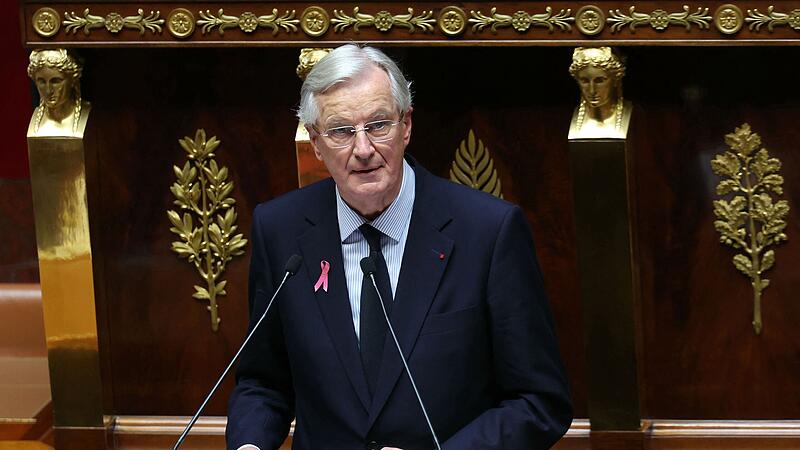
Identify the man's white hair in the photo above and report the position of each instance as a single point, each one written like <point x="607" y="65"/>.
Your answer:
<point x="344" y="64"/>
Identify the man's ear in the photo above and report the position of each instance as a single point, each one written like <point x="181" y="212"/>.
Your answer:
<point x="407" y="125"/>
<point x="313" y="137"/>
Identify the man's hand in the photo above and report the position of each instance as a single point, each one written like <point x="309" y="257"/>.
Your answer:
<point x="391" y="448"/>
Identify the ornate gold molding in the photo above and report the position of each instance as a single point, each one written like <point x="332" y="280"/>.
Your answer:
<point x="46" y="22"/>
<point x="202" y="191"/>
<point x="248" y="21"/>
<point x="180" y="22"/>
<point x="750" y="221"/>
<point x="314" y="21"/>
<point x="728" y="19"/>
<point x="590" y="20"/>
<point x="521" y="20"/>
<point x="659" y="19"/>
<point x="475" y="168"/>
<point x="771" y="19"/>
<point x="452" y="20"/>
<point x="113" y="22"/>
<point x="383" y="20"/>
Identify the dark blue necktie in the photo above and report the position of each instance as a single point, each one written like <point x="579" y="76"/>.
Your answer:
<point x="373" y="324"/>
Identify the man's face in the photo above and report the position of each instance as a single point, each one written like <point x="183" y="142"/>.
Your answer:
<point x="596" y="86"/>
<point x="368" y="174"/>
<point x="53" y="87"/>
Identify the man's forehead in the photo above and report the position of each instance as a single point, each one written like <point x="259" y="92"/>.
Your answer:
<point x="367" y="94"/>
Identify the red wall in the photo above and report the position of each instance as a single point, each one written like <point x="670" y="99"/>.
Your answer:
<point x="15" y="105"/>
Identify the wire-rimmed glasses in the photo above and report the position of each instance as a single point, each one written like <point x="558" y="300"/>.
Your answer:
<point x="376" y="131"/>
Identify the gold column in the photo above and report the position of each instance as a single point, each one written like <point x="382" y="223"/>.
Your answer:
<point x="599" y="160"/>
<point x="309" y="169"/>
<point x="58" y="181"/>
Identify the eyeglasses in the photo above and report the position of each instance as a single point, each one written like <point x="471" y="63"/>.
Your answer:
<point x="377" y="131"/>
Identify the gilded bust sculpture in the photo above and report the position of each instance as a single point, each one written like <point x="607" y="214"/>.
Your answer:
<point x="602" y="112"/>
<point x="61" y="111"/>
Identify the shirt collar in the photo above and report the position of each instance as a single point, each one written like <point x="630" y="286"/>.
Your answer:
<point x="398" y="212"/>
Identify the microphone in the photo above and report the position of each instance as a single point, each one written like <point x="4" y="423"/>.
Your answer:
<point x="369" y="269"/>
<point x="292" y="265"/>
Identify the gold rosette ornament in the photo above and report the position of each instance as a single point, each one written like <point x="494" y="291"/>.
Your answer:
<point x="207" y="228"/>
<point x="750" y="221"/>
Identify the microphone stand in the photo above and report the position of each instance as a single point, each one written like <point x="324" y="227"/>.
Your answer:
<point x="293" y="263"/>
<point x="368" y="266"/>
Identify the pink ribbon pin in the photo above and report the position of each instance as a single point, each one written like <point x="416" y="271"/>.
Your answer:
<point x="323" y="276"/>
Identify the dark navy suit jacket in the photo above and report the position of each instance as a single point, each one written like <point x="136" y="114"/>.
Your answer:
<point x="470" y="313"/>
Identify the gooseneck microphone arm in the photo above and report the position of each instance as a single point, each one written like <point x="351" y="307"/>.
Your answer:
<point x="292" y="265"/>
<point x="369" y="269"/>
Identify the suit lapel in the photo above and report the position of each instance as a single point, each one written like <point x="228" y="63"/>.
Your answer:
<point x="322" y="242"/>
<point x="420" y="274"/>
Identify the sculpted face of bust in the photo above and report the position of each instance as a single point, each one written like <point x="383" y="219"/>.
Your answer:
<point x="597" y="86"/>
<point x="599" y="72"/>
<point x="55" y="88"/>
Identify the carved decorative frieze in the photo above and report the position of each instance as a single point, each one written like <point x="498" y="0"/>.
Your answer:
<point x="248" y="21"/>
<point x="113" y="22"/>
<point x="521" y="20"/>
<point x="659" y="19"/>
<point x="772" y="19"/>
<point x="383" y="20"/>
<point x="443" y="21"/>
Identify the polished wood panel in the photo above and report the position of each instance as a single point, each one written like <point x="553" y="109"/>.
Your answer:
<point x="161" y="355"/>
<point x="701" y="357"/>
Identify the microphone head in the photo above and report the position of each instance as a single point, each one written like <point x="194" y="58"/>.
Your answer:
<point x="293" y="264"/>
<point x="368" y="265"/>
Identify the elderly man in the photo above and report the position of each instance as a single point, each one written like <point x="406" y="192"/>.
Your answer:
<point x="457" y="272"/>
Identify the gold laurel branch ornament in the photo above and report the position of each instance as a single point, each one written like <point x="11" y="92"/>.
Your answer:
<point x="248" y="22"/>
<point x="207" y="227"/>
<point x="521" y="20"/>
<point x="383" y="20"/>
<point x="659" y="19"/>
<point x="113" y="22"/>
<point x="771" y="19"/>
<point x="474" y="167"/>
<point x="750" y="221"/>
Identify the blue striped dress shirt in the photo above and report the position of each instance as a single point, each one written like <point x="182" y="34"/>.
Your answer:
<point x="393" y="223"/>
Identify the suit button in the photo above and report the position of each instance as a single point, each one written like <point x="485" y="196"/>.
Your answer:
<point x="373" y="446"/>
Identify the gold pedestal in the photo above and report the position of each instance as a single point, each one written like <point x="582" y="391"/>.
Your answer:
<point x="309" y="168"/>
<point x="58" y="181"/>
<point x="607" y="281"/>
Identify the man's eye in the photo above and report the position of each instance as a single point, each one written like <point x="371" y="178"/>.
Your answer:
<point x="378" y="126"/>
<point x="340" y="132"/>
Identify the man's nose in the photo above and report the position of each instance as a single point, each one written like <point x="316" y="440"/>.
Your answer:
<point x="362" y="147"/>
